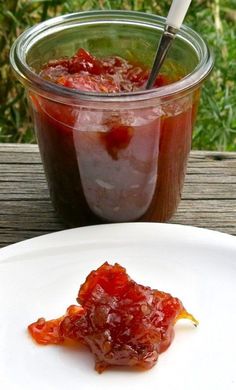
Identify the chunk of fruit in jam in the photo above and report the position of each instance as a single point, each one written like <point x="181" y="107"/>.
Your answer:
<point x="122" y="322"/>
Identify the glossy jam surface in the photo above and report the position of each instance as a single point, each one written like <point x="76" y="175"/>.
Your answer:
<point x="113" y="162"/>
<point x="122" y="322"/>
<point x="85" y="72"/>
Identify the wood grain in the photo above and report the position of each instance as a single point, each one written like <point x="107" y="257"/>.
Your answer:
<point x="208" y="201"/>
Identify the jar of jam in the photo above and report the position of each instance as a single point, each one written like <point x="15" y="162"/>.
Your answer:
<point x="112" y="151"/>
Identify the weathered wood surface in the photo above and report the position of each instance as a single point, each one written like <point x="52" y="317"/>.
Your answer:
<point x="209" y="197"/>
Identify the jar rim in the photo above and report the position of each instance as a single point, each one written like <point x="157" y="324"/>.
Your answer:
<point x="33" y="81"/>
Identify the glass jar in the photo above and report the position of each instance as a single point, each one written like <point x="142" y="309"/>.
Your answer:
<point x="143" y="180"/>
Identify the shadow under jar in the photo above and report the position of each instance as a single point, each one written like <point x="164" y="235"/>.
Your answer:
<point x="143" y="179"/>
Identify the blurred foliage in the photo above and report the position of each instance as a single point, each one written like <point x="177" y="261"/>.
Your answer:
<point x="214" y="20"/>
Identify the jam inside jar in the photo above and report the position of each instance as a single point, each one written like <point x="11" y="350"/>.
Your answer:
<point x="111" y="150"/>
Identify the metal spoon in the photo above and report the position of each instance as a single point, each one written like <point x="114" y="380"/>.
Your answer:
<point x="174" y="21"/>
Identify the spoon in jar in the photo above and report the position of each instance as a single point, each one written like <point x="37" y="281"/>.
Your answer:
<point x="173" y="23"/>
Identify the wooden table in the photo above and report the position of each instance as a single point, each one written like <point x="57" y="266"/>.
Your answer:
<point x="209" y="197"/>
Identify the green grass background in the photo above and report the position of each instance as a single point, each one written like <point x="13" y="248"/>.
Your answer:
<point x="215" y="20"/>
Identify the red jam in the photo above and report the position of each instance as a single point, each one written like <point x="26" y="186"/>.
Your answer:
<point x="84" y="72"/>
<point x="122" y="322"/>
<point x="112" y="162"/>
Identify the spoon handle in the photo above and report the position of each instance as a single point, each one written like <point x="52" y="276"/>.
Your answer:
<point x="174" y="21"/>
<point x="164" y="45"/>
<point x="177" y="13"/>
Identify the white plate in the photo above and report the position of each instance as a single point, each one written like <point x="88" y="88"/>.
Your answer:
<point x="41" y="277"/>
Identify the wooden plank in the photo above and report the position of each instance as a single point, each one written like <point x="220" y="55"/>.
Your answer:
<point x="209" y="196"/>
<point x="18" y="148"/>
<point x="23" y="206"/>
